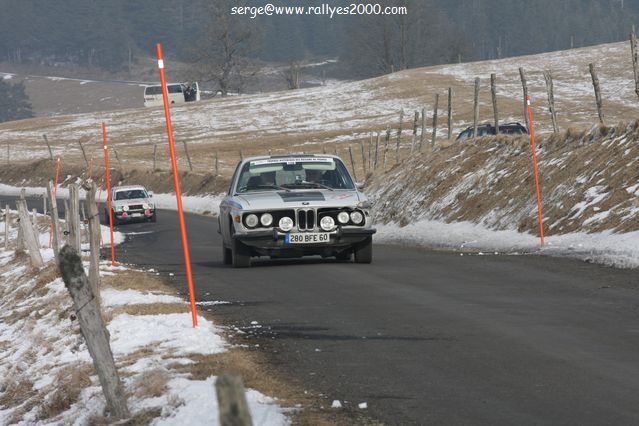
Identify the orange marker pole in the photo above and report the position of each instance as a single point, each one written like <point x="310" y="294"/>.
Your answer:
<point x="176" y="182"/>
<point x="534" y="156"/>
<point x="108" y="178"/>
<point x="55" y="191"/>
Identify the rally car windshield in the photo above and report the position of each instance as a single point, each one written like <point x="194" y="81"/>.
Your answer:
<point x="130" y="194"/>
<point x="293" y="173"/>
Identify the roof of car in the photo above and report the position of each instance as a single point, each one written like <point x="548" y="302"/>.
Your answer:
<point x="128" y="187"/>
<point x="297" y="155"/>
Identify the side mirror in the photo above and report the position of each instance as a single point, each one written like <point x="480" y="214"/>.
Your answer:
<point x="150" y="195"/>
<point x="360" y="185"/>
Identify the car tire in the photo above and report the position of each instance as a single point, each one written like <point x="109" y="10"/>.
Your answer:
<point x="227" y="255"/>
<point x="344" y="256"/>
<point x="240" y="255"/>
<point x="364" y="251"/>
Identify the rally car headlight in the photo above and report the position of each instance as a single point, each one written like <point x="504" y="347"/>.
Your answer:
<point x="343" y="218"/>
<point x="125" y="208"/>
<point x="357" y="217"/>
<point x="286" y="224"/>
<point x="266" y="219"/>
<point x="327" y="223"/>
<point x="118" y="208"/>
<point x="251" y="221"/>
<point x="147" y="206"/>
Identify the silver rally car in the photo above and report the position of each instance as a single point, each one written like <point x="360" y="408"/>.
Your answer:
<point x="294" y="206"/>
<point x="131" y="203"/>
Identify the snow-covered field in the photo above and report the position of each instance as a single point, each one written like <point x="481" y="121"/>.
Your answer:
<point x="46" y="370"/>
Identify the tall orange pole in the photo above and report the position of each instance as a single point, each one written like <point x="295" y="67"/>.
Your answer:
<point x="108" y="178"/>
<point x="176" y="183"/>
<point x="534" y="156"/>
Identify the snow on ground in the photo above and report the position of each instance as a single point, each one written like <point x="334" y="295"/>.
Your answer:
<point x="613" y="249"/>
<point x="43" y="356"/>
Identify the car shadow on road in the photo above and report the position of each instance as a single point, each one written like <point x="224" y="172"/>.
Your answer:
<point x="269" y="263"/>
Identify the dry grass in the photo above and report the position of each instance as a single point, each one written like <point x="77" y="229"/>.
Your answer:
<point x="151" y="383"/>
<point x="69" y="382"/>
<point x="151" y="309"/>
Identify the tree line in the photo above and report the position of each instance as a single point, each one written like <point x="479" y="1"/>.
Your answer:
<point x="110" y="34"/>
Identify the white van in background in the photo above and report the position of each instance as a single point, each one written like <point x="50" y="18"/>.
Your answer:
<point x="178" y="93"/>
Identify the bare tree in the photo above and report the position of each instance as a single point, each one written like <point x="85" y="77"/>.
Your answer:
<point x="222" y="53"/>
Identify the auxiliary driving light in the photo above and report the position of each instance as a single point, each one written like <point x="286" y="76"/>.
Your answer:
<point x="286" y="224"/>
<point x="343" y="218"/>
<point x="251" y="221"/>
<point x="357" y="217"/>
<point x="125" y="208"/>
<point x="266" y="219"/>
<point x="327" y="223"/>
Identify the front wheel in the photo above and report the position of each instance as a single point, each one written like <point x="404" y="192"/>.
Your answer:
<point x="240" y="254"/>
<point x="364" y="251"/>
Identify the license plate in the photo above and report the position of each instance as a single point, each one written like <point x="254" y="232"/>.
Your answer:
<point x="307" y="238"/>
<point x="136" y="215"/>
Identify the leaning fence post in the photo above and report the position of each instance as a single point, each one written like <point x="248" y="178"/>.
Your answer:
<point x="94" y="330"/>
<point x="55" y="225"/>
<point x="232" y="404"/>
<point x="20" y="240"/>
<point x="399" y="135"/>
<point x="551" y="100"/>
<point x="84" y="154"/>
<point x="94" y="240"/>
<point x="633" y="50"/>
<point x="524" y="86"/>
<point x="74" y="217"/>
<point x="155" y="156"/>
<point x="361" y="145"/>
<point x="435" y="119"/>
<point x="188" y="157"/>
<point x="388" y="136"/>
<point x="450" y="113"/>
<point x="493" y="93"/>
<point x="421" y="136"/>
<point x="595" y="84"/>
<point x="376" y="151"/>
<point x="217" y="164"/>
<point x="31" y="239"/>
<point x="350" y="152"/>
<point x="7" y="223"/>
<point x="49" y="147"/>
<point x="476" y="108"/>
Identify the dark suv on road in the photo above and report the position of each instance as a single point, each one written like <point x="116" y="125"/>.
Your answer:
<point x="489" y="129"/>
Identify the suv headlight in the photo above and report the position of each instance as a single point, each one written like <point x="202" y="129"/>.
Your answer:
<point x="357" y="217"/>
<point x="118" y="208"/>
<point x="266" y="219"/>
<point x="125" y="208"/>
<point x="147" y="206"/>
<point x="343" y="218"/>
<point x="251" y="221"/>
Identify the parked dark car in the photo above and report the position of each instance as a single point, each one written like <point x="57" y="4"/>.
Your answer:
<point x="489" y="129"/>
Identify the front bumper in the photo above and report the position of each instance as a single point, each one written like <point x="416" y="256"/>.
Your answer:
<point x="134" y="215"/>
<point x="269" y="242"/>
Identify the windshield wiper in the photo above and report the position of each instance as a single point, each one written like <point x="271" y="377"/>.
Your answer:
<point x="245" y="188"/>
<point x="315" y="184"/>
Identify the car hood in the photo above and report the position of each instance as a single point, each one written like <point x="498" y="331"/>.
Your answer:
<point x="305" y="198"/>
<point x="132" y="201"/>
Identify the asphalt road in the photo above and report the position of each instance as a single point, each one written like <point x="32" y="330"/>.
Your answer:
<point x="427" y="337"/>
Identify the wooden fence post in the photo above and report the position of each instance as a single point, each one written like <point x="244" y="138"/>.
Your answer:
<point x="20" y="240"/>
<point x="476" y="108"/>
<point x="493" y="93"/>
<point x="241" y="155"/>
<point x="376" y="151"/>
<point x="435" y="119"/>
<point x="94" y="330"/>
<point x="524" y="86"/>
<point x="595" y="84"/>
<point x="551" y="100"/>
<point x="49" y="147"/>
<point x="350" y="152"/>
<point x="635" y="66"/>
<point x="155" y="156"/>
<point x="31" y="239"/>
<point x="74" y="217"/>
<point x="7" y="224"/>
<point x="94" y="240"/>
<point x="55" y="223"/>
<point x="370" y="147"/>
<point x="450" y="113"/>
<point x="388" y="136"/>
<point x="421" y="136"/>
<point x="84" y="154"/>
<point x="66" y="221"/>
<point x="231" y="398"/>
<point x="361" y="145"/>
<point x="217" y="164"/>
<point x="188" y="157"/>
<point x="399" y="134"/>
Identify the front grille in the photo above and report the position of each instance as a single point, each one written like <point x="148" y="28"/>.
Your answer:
<point x="136" y="207"/>
<point x="306" y="220"/>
